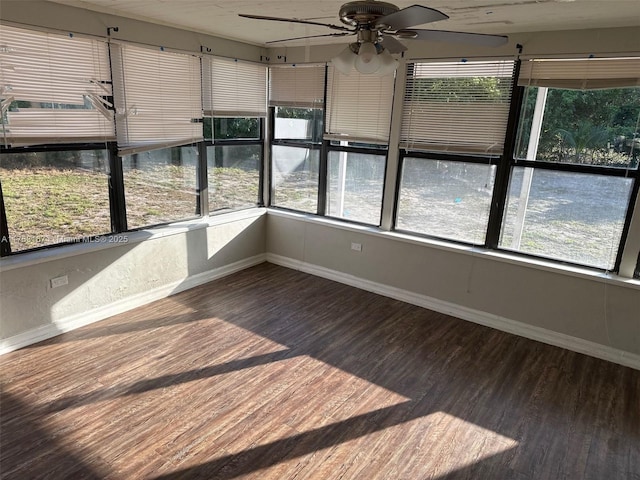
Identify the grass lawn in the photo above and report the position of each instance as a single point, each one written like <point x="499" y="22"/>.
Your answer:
<point x="47" y="205"/>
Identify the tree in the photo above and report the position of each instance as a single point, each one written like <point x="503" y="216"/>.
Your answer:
<point x="584" y="125"/>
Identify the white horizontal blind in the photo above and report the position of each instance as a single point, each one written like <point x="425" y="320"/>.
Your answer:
<point x="233" y="88"/>
<point x="296" y="86"/>
<point x="358" y="107"/>
<point x="54" y="88"/>
<point x="158" y="98"/>
<point x="457" y="106"/>
<point x="586" y="73"/>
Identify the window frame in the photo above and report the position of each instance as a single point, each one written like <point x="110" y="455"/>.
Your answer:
<point x="489" y="160"/>
<point x="115" y="185"/>
<point x="499" y="160"/>
<point x="511" y="161"/>
<point x="115" y="176"/>
<point x="381" y="151"/>
<point x="297" y="143"/>
<point x="203" y="178"/>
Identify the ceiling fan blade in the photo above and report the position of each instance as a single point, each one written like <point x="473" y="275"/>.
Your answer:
<point x="295" y="20"/>
<point x="458" y="37"/>
<point x="410" y="17"/>
<point x="342" y="34"/>
<point x="392" y="45"/>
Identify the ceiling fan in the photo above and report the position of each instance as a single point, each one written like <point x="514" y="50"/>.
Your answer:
<point x="376" y="26"/>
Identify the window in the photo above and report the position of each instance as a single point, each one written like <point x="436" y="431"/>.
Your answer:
<point x="298" y="124"/>
<point x="355" y="185"/>
<point x="576" y="160"/>
<point x="234" y="176"/>
<point x="55" y="197"/>
<point x="161" y="186"/>
<point x="568" y="216"/>
<point x="357" y="133"/>
<point x="158" y="98"/>
<point x="238" y="128"/>
<point x="446" y="199"/>
<point x="66" y="176"/>
<point x="234" y="162"/>
<point x="53" y="89"/>
<point x="56" y="120"/>
<point x="295" y="177"/>
<point x="458" y="107"/>
<point x="454" y="124"/>
<point x="295" y="158"/>
<point x="358" y="107"/>
<point x="233" y="88"/>
<point x="159" y="111"/>
<point x="235" y="103"/>
<point x="296" y="98"/>
<point x="581" y="127"/>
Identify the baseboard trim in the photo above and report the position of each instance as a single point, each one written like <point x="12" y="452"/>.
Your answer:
<point x="45" y="332"/>
<point x="550" y="337"/>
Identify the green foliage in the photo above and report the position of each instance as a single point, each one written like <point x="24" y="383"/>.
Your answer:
<point x="583" y="142"/>
<point x="461" y="89"/>
<point x="301" y="113"/>
<point x="583" y="126"/>
<point x="60" y="160"/>
<point x="222" y="128"/>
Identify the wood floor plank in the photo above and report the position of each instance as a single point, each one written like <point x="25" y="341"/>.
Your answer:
<point x="271" y="373"/>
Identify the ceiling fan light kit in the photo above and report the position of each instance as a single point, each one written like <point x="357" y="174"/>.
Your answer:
<point x="377" y="25"/>
<point x="367" y="58"/>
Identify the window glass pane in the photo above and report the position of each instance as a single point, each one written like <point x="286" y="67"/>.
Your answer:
<point x="566" y="216"/>
<point x="160" y="186"/>
<point x="298" y="124"/>
<point x="590" y="127"/>
<point x="355" y="186"/>
<point x="234" y="176"/>
<point x="445" y="199"/>
<point x="55" y="197"/>
<point x="239" y="128"/>
<point x="295" y="178"/>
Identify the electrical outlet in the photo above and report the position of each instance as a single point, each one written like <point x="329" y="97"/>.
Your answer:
<point x="356" y="246"/>
<point x="59" y="281"/>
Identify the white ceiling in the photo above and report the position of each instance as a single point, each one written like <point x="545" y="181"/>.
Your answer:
<point x="220" y="18"/>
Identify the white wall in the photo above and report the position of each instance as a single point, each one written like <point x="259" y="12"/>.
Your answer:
<point x="105" y="279"/>
<point x="577" y="309"/>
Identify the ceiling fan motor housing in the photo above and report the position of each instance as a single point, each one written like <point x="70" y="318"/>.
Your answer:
<point x="365" y="11"/>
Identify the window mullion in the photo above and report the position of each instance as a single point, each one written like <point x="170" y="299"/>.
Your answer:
<point x="116" y="191"/>
<point x="5" y="244"/>
<point x="203" y="180"/>
<point x="630" y="240"/>
<point x="501" y="186"/>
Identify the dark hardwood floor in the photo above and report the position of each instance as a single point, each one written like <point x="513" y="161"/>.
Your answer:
<point x="274" y="374"/>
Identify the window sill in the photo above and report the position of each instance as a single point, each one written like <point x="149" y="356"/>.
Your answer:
<point x="500" y="256"/>
<point x="103" y="242"/>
